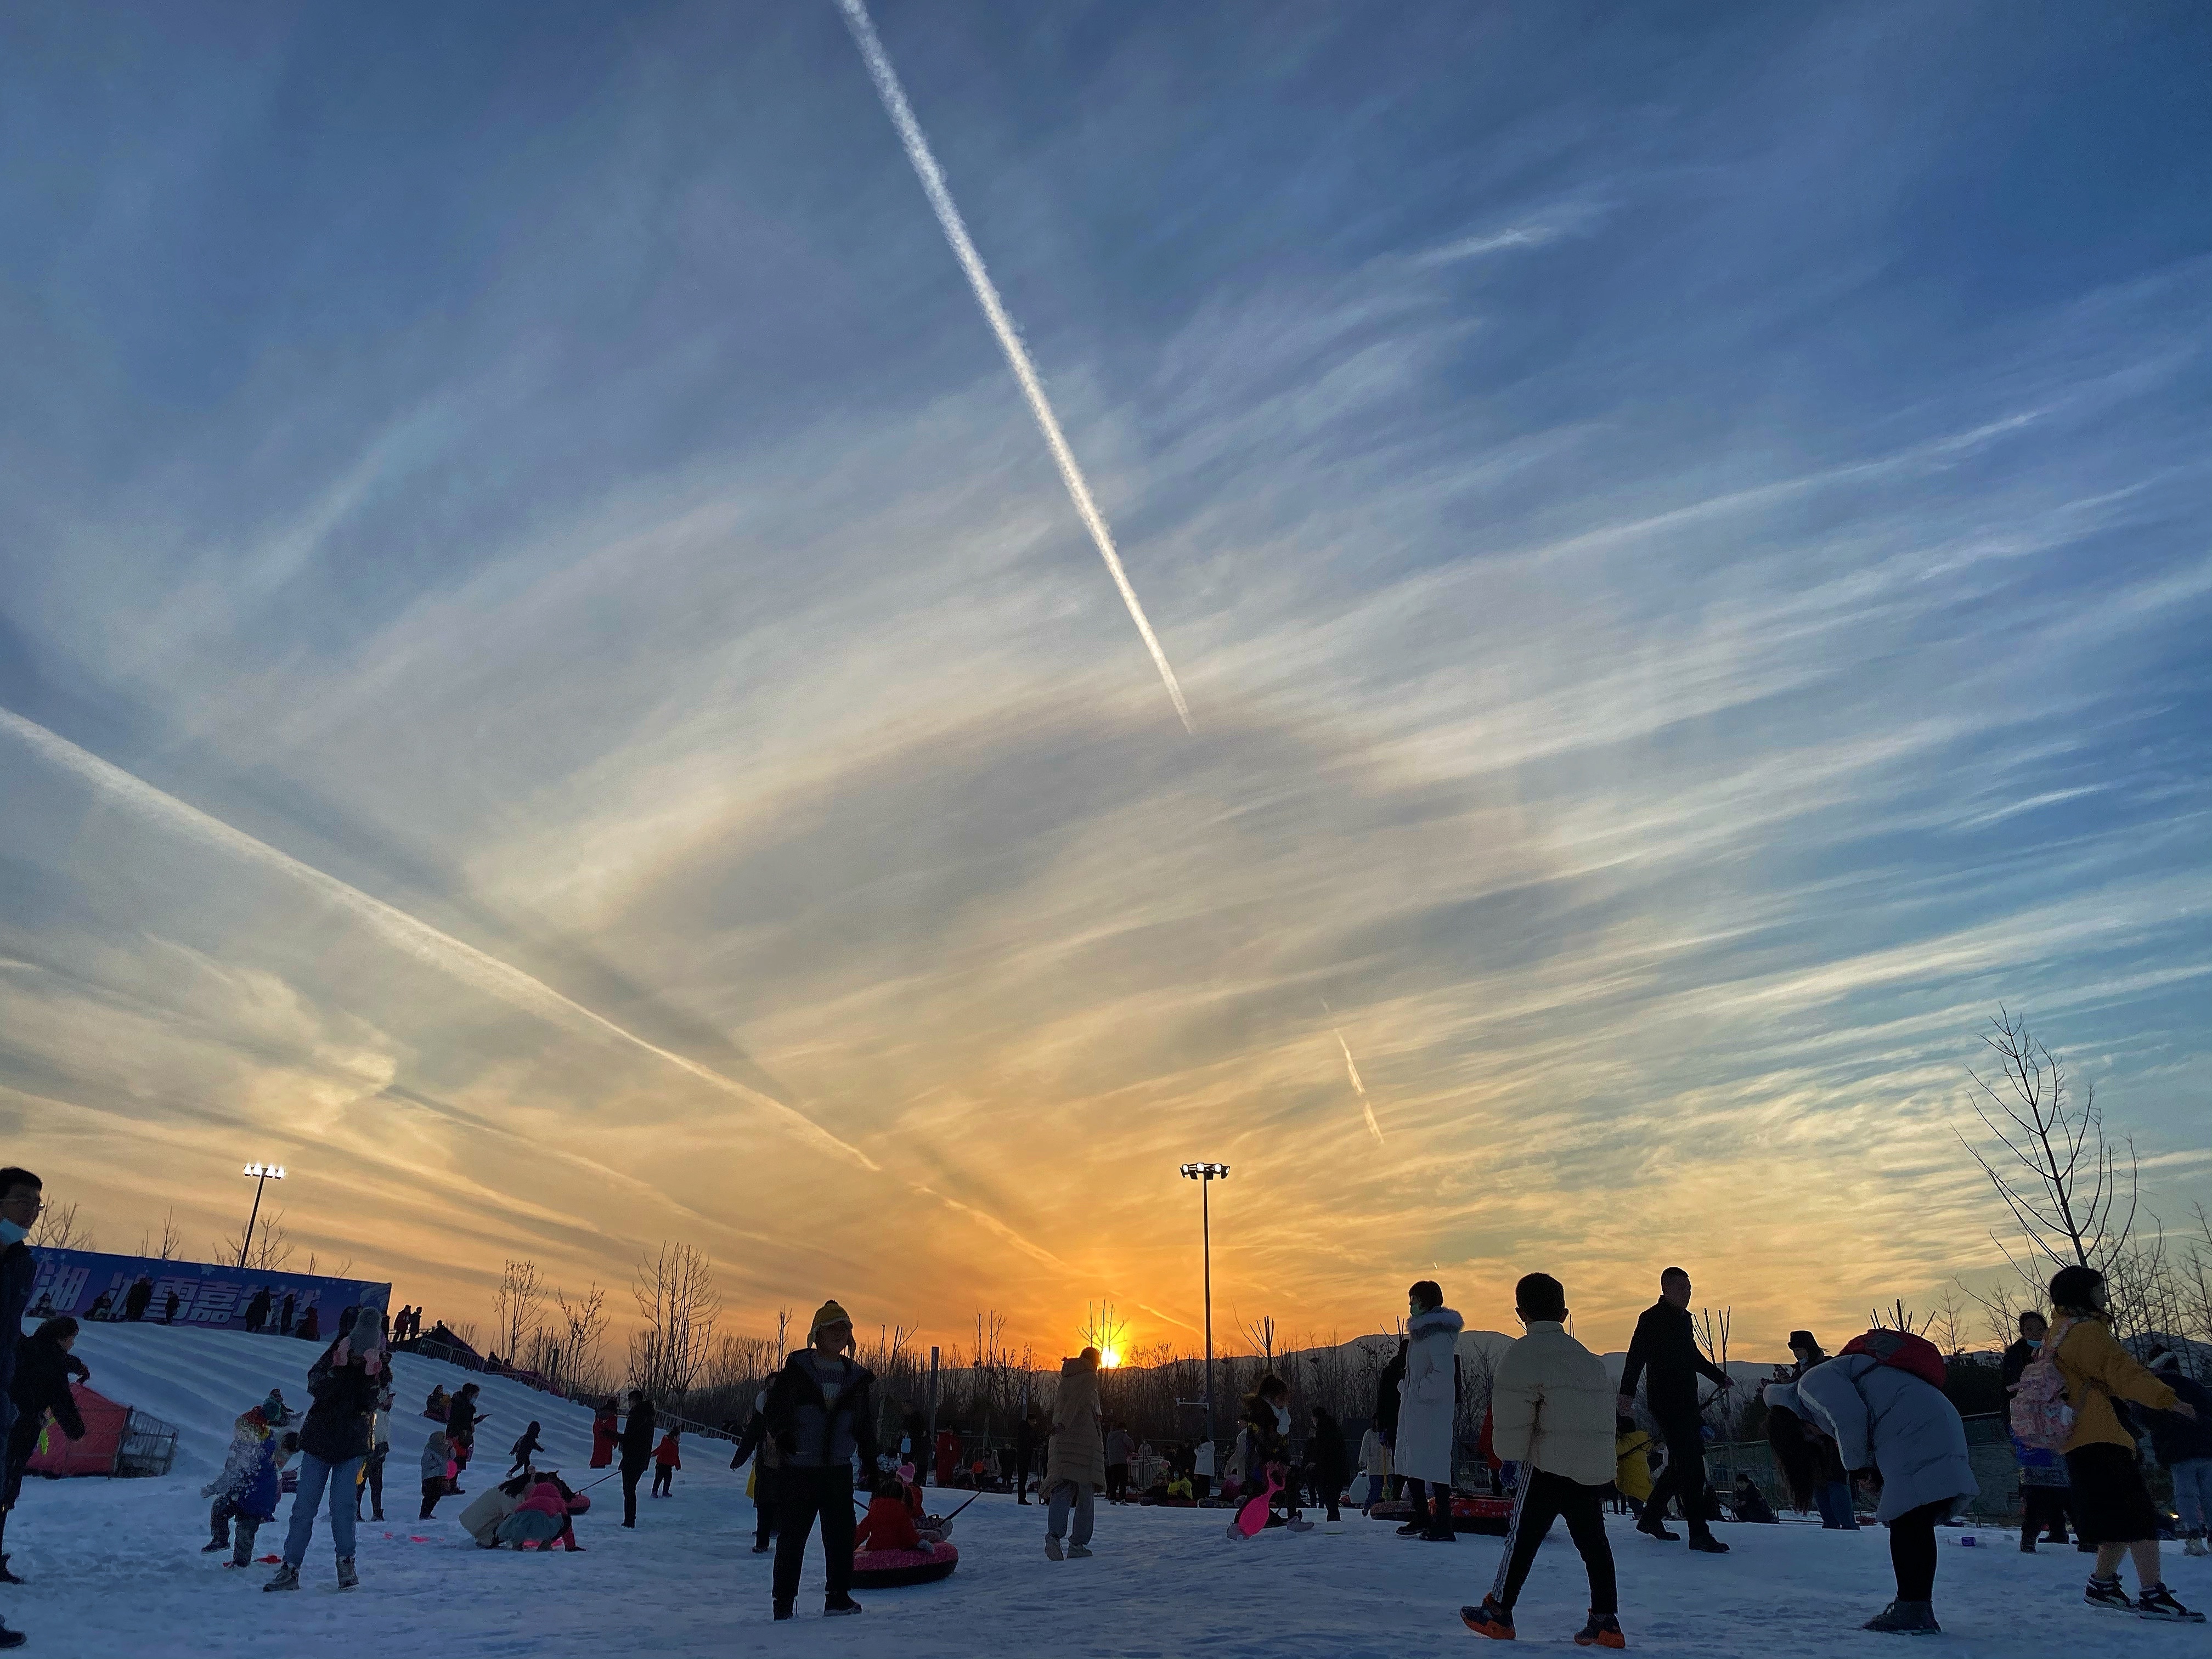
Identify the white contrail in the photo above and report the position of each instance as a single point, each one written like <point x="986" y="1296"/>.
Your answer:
<point x="1365" y="1105"/>
<point x="1017" y="356"/>
<point x="417" y="939"/>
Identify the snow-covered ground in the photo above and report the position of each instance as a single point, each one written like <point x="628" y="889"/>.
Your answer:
<point x="115" y="1568"/>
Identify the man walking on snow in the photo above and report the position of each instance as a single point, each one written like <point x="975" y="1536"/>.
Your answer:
<point x="1551" y="1412"/>
<point x="1665" y="1349"/>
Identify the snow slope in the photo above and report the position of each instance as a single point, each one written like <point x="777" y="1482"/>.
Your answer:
<point x="115" y="1568"/>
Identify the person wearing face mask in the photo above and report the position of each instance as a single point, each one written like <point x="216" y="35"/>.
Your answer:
<point x="1421" y="1450"/>
<point x="2112" y="1508"/>
<point x="345" y="1384"/>
<point x="2043" y="1485"/>
<point x="23" y="1196"/>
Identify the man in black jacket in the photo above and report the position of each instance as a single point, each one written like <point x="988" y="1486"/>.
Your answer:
<point x="2184" y="1444"/>
<point x="1665" y="1351"/>
<point x="821" y="1410"/>
<point x="636" y="1450"/>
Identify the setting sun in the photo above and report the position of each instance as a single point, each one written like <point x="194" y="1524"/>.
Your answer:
<point x="1109" y="1358"/>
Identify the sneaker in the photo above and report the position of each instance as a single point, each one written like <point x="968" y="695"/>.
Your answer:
<point x="1052" y="1549"/>
<point x="1603" y="1630"/>
<point x="1489" y="1619"/>
<point x="348" y="1578"/>
<point x="11" y="1639"/>
<point x="1447" y="1536"/>
<point x="838" y="1606"/>
<point x="760" y="1549"/>
<point x="1078" y="1551"/>
<point x="1905" y="1619"/>
<point x="213" y="1544"/>
<point x="2194" y="1547"/>
<point x="2156" y="1602"/>
<point x="1299" y="1526"/>
<point x="286" y="1578"/>
<point x="1654" y="1529"/>
<point x="2107" y="1592"/>
<point x="1411" y="1529"/>
<point x="1705" y="1544"/>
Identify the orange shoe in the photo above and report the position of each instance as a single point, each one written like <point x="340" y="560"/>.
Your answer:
<point x="1489" y="1619"/>
<point x="1603" y="1630"/>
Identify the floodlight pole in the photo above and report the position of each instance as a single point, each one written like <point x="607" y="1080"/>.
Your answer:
<point x="261" y="1175"/>
<point x="1206" y="1175"/>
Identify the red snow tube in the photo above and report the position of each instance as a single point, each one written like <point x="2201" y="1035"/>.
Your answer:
<point x="1491" y="1515"/>
<point x="889" y="1569"/>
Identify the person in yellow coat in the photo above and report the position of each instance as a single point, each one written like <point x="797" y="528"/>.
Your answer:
<point x="1632" y="1463"/>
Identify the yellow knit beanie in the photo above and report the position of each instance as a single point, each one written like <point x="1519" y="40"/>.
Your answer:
<point x="827" y="1314"/>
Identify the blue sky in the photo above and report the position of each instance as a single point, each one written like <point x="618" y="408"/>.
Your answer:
<point x="1683" y="530"/>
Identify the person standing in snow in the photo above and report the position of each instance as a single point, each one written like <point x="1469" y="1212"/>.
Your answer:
<point x="1897" y="1429"/>
<point x="636" y="1451"/>
<point x="437" y="1465"/>
<point x="1553" y="1413"/>
<point x="461" y="1420"/>
<point x="606" y="1428"/>
<point x="1421" y="1447"/>
<point x="41" y="1384"/>
<point x="1331" y="1464"/>
<point x="345" y="1383"/>
<point x="380" y="1448"/>
<point x="257" y="1311"/>
<point x="524" y="1448"/>
<point x="755" y="1442"/>
<point x="2043" y="1483"/>
<point x="2183" y="1443"/>
<point x="22" y="1196"/>
<point x="246" y="1493"/>
<point x="822" y="1413"/>
<point x="1665" y="1350"/>
<point x="1121" y="1444"/>
<point x="169" y="1309"/>
<point x="1075" y="1463"/>
<point x="284" y="1315"/>
<point x="2112" y="1508"/>
<point x="666" y="1462"/>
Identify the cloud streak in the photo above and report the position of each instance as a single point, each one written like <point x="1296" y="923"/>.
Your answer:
<point x="1010" y="341"/>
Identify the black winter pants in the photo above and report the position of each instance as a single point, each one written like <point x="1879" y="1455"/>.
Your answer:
<point x="1543" y="1498"/>
<point x="2043" y="1510"/>
<point x="764" y="1506"/>
<point x="1912" y="1550"/>
<point x="631" y="1475"/>
<point x="1685" y="1478"/>
<point x="800" y="1495"/>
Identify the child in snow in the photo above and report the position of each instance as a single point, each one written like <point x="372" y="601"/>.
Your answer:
<point x="437" y="1470"/>
<point x="665" y="1462"/>
<point x="524" y="1448"/>
<point x="888" y="1523"/>
<point x="1746" y="1503"/>
<point x="1264" y="1437"/>
<point x="541" y="1519"/>
<point x="247" y="1489"/>
<point x="1632" y="1464"/>
<point x="606" y="1425"/>
<point x="438" y="1405"/>
<point x="1553" y="1413"/>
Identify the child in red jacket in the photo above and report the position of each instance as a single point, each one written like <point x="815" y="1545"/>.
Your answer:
<point x="665" y="1462"/>
<point x="888" y="1523"/>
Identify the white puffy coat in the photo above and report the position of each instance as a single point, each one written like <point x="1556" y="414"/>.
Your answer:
<point x="1423" y="1448"/>
<point x="1552" y="1407"/>
<point x="1891" y="1420"/>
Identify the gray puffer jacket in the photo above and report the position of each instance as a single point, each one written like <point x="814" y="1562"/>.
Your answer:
<point x="1891" y="1420"/>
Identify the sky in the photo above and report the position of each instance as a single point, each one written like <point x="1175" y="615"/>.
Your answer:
<point x="552" y="686"/>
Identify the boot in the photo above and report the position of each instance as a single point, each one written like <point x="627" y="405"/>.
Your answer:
<point x="1905" y="1619"/>
<point x="286" y="1578"/>
<point x="11" y="1639"/>
<point x="783" y="1610"/>
<point x="838" y="1606"/>
<point x="1652" y="1524"/>
<point x="348" y="1578"/>
<point x="1705" y="1544"/>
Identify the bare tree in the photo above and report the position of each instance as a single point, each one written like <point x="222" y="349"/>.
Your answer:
<point x="1261" y="1333"/>
<point x="583" y="1325"/>
<point x="59" y="1228"/>
<point x="171" y="1241"/>
<point x="515" y="1306"/>
<point x="2071" y="1192"/>
<point x="1105" y="1330"/>
<point x="676" y="1299"/>
<point x="1896" y="1317"/>
<point x="271" y="1251"/>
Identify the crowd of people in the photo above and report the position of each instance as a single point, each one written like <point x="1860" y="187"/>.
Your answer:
<point x="1565" y="1439"/>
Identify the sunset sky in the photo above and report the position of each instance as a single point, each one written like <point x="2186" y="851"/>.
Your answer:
<point x="552" y="686"/>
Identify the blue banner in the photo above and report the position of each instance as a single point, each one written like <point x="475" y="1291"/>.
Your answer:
<point x="94" y="1286"/>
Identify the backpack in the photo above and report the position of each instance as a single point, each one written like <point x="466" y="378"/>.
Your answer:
<point x="2041" y="1419"/>
<point x="1914" y="1355"/>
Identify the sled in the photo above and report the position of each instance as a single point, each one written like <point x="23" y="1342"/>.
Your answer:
<point x="891" y="1569"/>
<point x="1494" y="1515"/>
<point x="1252" y="1518"/>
